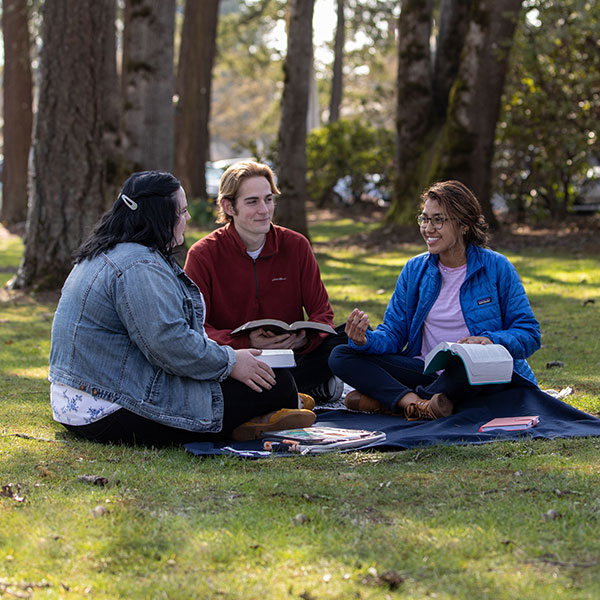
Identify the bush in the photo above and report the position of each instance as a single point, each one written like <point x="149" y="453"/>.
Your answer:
<point x="348" y="147"/>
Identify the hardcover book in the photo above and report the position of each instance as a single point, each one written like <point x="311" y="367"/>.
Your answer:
<point x="510" y="424"/>
<point x="278" y="326"/>
<point x="278" y="359"/>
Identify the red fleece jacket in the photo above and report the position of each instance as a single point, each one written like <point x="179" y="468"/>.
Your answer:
<point x="280" y="284"/>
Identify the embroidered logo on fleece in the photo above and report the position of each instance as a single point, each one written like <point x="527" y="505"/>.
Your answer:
<point x="484" y="301"/>
<point x="279" y="279"/>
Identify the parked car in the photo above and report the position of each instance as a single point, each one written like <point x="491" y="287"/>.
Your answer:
<point x="374" y="190"/>
<point x="214" y="171"/>
<point x="213" y="179"/>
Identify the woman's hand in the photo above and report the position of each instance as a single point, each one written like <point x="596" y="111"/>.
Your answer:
<point x="475" y="339"/>
<point x="356" y="327"/>
<point x="250" y="370"/>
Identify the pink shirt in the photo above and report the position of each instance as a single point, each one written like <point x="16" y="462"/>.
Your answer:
<point x="445" y="321"/>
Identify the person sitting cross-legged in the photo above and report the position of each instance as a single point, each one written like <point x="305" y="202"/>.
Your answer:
<point x="252" y="269"/>
<point x="457" y="291"/>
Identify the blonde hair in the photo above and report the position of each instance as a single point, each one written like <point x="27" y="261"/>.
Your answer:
<point x="232" y="179"/>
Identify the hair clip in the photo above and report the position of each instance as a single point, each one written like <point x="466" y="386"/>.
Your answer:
<point x="129" y="202"/>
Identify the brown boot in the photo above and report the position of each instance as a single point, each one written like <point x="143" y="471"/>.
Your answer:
<point x="284" y="418"/>
<point x="439" y="406"/>
<point x="359" y="402"/>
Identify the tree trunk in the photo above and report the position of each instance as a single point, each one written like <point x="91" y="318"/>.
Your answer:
<point x="459" y="143"/>
<point x="467" y="145"/>
<point x="67" y="179"/>
<point x="115" y="171"/>
<point x="338" y="65"/>
<point x="291" y="211"/>
<point x="18" y="114"/>
<point x="148" y="84"/>
<point x="194" y="79"/>
<point x="454" y="20"/>
<point x="414" y="115"/>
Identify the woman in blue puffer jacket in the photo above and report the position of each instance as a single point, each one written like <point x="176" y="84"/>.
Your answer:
<point x="457" y="291"/>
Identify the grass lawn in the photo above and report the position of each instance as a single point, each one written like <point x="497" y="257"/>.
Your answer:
<point x="500" y="521"/>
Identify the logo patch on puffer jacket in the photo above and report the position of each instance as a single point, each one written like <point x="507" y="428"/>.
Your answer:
<point x="484" y="301"/>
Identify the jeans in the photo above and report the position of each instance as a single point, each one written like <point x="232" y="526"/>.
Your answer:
<point x="313" y="369"/>
<point x="389" y="377"/>
<point x="240" y="405"/>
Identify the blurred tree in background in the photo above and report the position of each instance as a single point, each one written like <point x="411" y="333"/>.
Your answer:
<point x="423" y="80"/>
<point x="547" y="137"/>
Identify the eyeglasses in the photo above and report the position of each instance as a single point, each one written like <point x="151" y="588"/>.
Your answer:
<point x="437" y="221"/>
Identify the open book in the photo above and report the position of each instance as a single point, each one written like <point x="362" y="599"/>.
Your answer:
<point x="489" y="363"/>
<point x="278" y="359"/>
<point x="278" y="326"/>
<point x="317" y="440"/>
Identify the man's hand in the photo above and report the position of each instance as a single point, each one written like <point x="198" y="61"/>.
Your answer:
<point x="250" y="370"/>
<point x="263" y="339"/>
<point x="356" y="327"/>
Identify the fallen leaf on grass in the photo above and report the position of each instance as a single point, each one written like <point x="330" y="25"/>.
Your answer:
<point x="7" y="491"/>
<point x="99" y="511"/>
<point x="391" y="579"/>
<point x="551" y="514"/>
<point x="299" y="519"/>
<point x="93" y="479"/>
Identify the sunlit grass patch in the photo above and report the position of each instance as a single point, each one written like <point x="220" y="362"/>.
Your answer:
<point x="446" y="522"/>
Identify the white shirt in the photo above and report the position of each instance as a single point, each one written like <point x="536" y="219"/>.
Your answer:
<point x="74" y="407"/>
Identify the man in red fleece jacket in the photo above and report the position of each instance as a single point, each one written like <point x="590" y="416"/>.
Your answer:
<point x="252" y="269"/>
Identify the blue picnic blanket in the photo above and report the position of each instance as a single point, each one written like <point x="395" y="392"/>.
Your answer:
<point x="557" y="420"/>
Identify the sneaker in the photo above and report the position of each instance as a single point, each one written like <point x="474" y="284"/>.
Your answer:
<point x="439" y="406"/>
<point x="285" y="418"/>
<point x="330" y="391"/>
<point x="305" y="401"/>
<point x="359" y="402"/>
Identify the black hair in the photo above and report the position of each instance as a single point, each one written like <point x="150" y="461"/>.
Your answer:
<point x="151" y="223"/>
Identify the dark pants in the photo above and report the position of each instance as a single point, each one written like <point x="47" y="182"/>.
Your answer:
<point x="313" y="369"/>
<point x="389" y="377"/>
<point x="240" y="405"/>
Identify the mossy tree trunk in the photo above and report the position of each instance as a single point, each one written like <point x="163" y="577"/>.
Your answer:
<point x="458" y="142"/>
<point x="193" y="88"/>
<point x="18" y="115"/>
<point x="148" y="83"/>
<point x="67" y="191"/>
<point x="291" y="209"/>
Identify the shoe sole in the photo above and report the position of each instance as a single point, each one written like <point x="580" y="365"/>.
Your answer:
<point x="252" y="431"/>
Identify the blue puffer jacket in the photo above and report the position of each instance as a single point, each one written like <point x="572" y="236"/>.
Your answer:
<point x="492" y="298"/>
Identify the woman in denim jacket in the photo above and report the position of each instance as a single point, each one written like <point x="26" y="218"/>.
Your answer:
<point x="458" y="291"/>
<point x="129" y="359"/>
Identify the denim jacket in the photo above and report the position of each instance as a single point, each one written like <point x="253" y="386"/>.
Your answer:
<point x="492" y="298"/>
<point x="129" y="329"/>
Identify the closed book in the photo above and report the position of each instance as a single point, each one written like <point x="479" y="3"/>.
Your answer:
<point x="278" y="359"/>
<point x="510" y="423"/>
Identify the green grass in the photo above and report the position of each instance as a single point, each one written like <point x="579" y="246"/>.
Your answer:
<point x="438" y="522"/>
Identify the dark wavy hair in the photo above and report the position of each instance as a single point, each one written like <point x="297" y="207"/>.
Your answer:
<point x="150" y="224"/>
<point x="461" y="205"/>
